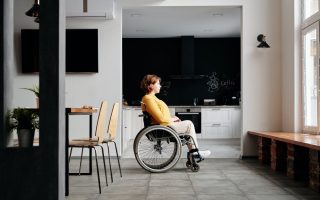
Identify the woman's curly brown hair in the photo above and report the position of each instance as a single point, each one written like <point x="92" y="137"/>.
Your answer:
<point x="148" y="80"/>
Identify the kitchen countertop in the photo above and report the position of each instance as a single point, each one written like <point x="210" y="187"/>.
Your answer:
<point x="190" y="106"/>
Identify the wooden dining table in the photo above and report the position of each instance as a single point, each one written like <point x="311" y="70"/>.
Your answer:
<point x="77" y="111"/>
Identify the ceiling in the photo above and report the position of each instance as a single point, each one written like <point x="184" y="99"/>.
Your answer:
<point x="153" y="22"/>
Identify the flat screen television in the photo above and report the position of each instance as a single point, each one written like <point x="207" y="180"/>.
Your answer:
<point x="81" y="50"/>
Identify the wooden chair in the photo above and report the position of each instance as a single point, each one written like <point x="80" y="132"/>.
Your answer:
<point x="92" y="143"/>
<point x="112" y="131"/>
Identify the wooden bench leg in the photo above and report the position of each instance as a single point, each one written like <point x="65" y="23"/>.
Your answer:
<point x="264" y="150"/>
<point x="297" y="162"/>
<point x="314" y="169"/>
<point x="290" y="160"/>
<point x="273" y="151"/>
<point x="278" y="155"/>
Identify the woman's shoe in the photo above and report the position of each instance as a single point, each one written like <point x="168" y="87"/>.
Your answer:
<point x="205" y="153"/>
<point x="200" y="155"/>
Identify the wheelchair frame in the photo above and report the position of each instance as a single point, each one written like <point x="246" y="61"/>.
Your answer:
<point x="155" y="140"/>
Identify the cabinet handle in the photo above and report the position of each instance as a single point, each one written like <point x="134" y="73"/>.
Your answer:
<point x="216" y="124"/>
<point x="188" y="113"/>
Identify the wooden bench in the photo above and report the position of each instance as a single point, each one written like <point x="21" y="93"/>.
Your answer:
<point x="297" y="154"/>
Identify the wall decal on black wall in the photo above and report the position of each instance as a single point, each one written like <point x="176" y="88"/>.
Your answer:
<point x="213" y="83"/>
<point x="226" y="82"/>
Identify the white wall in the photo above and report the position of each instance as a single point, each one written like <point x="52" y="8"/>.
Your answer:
<point x="261" y="71"/>
<point x="291" y="66"/>
<point x="261" y="68"/>
<point x="81" y="89"/>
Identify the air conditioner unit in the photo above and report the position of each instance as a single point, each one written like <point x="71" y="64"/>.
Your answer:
<point x="104" y="9"/>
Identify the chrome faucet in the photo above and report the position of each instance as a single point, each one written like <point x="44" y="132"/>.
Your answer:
<point x="195" y="101"/>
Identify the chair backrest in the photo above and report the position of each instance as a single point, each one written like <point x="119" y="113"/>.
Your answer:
<point x="101" y="122"/>
<point x="113" y="122"/>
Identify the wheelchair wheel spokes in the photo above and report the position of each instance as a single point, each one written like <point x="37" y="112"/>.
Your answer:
<point x="157" y="148"/>
<point x="159" y="155"/>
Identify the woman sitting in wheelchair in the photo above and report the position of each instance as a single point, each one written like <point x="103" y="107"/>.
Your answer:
<point x="159" y="112"/>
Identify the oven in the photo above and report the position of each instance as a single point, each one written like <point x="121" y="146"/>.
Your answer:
<point x="190" y="113"/>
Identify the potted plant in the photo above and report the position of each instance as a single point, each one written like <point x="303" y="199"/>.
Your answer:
<point x="27" y="120"/>
<point x="36" y="92"/>
<point x="11" y="124"/>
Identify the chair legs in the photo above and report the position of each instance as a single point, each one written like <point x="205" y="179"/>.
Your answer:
<point x="115" y="146"/>
<point x="81" y="160"/>
<point x="95" y="152"/>
<point x="97" y="164"/>
<point x="110" y="163"/>
<point x="70" y="154"/>
<point x="104" y="164"/>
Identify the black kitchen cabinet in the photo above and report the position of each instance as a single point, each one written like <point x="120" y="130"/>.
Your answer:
<point x="216" y="73"/>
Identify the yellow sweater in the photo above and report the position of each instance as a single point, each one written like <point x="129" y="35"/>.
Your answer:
<point x="158" y="110"/>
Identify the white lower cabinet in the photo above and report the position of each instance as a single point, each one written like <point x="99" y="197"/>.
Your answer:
<point x="216" y="122"/>
<point x="216" y="131"/>
<point x="220" y="123"/>
<point x="137" y="122"/>
<point x="132" y="123"/>
<point x="126" y="126"/>
<point x="215" y="115"/>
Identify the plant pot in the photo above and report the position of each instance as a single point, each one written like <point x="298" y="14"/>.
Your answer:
<point x="25" y="137"/>
<point x="9" y="139"/>
<point x="37" y="102"/>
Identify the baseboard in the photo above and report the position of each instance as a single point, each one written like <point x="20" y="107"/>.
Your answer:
<point x="249" y="157"/>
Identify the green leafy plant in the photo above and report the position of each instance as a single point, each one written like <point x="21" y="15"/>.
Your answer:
<point x="34" y="89"/>
<point x="11" y="123"/>
<point x="25" y="118"/>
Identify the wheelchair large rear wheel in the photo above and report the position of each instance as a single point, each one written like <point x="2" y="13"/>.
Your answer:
<point x="157" y="148"/>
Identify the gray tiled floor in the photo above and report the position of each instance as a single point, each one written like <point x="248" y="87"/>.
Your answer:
<point x="218" y="178"/>
<point x="220" y="148"/>
<point x="222" y="176"/>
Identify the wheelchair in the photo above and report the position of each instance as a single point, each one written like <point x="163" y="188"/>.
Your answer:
<point x="158" y="148"/>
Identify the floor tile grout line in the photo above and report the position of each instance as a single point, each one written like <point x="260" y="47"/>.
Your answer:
<point x="195" y="193"/>
<point x="236" y="185"/>
<point x="148" y="186"/>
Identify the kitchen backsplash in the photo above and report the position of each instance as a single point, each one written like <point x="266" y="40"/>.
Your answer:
<point x="194" y="91"/>
<point x="216" y="70"/>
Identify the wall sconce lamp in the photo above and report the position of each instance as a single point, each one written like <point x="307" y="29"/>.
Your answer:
<point x="262" y="39"/>
<point x="34" y="11"/>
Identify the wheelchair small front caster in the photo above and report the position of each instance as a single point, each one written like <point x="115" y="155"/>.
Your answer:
<point x="195" y="167"/>
<point x="188" y="164"/>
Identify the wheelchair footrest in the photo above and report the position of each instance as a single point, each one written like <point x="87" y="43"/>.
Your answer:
<point x="198" y="158"/>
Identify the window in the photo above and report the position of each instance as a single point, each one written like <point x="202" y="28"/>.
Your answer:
<point x="310" y="77"/>
<point x="310" y="65"/>
<point x="310" y="7"/>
